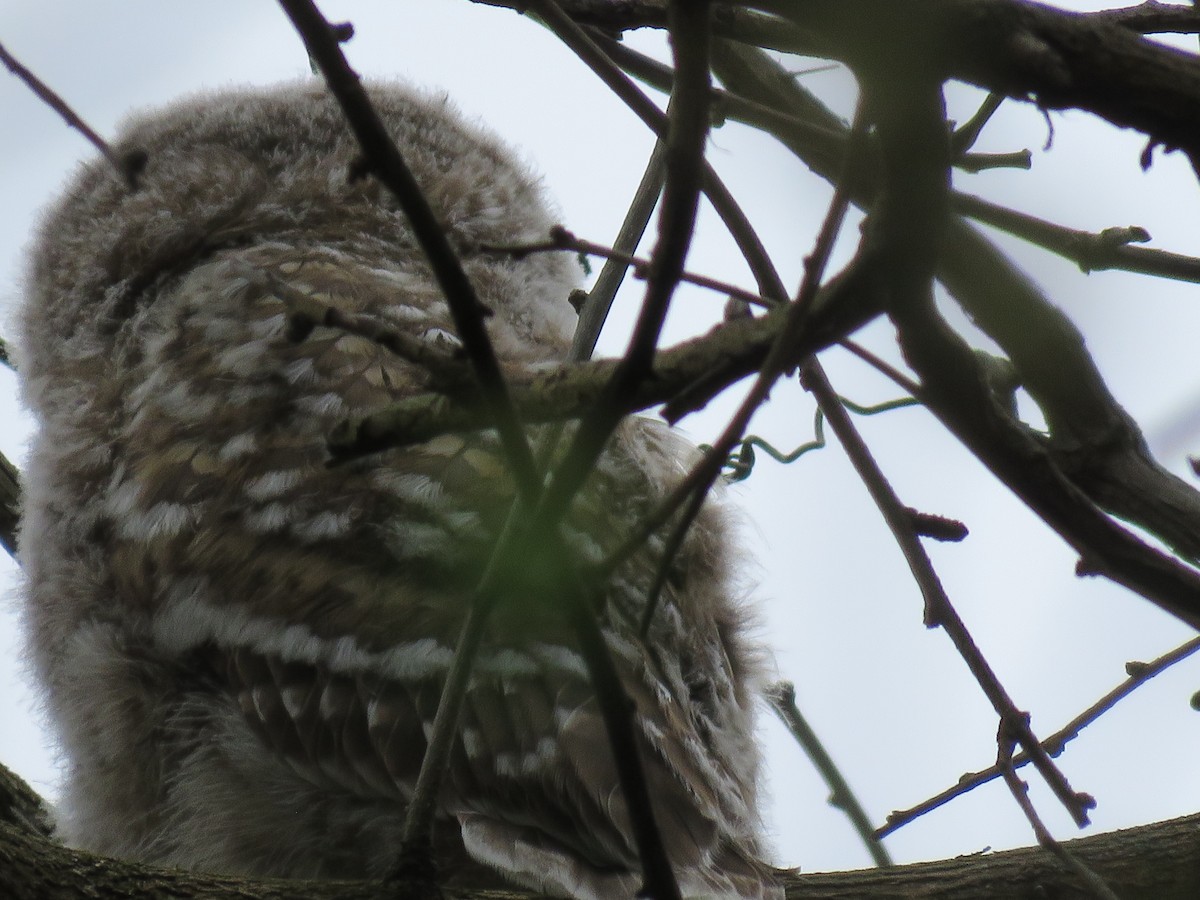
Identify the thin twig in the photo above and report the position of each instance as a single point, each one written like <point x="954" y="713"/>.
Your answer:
<point x="939" y="611"/>
<point x="600" y="298"/>
<point x="383" y="159"/>
<point x="779" y="358"/>
<point x="128" y="165"/>
<point x="687" y="132"/>
<point x="967" y="134"/>
<point x="1139" y="674"/>
<point x="905" y="229"/>
<point x="415" y="855"/>
<point x="726" y="104"/>
<point x="305" y="312"/>
<point x="1091" y="251"/>
<point x="782" y="697"/>
<point x="1020" y="792"/>
<point x="415" y="862"/>
<point x="589" y="51"/>
<point x="981" y="162"/>
<point x="620" y="724"/>
<point x="882" y="366"/>
<point x="562" y="239"/>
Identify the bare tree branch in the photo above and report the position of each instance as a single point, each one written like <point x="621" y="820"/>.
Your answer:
<point x="128" y="165"/>
<point x="381" y="157"/>
<point x="1121" y="476"/>
<point x="1020" y="792"/>
<point x="1092" y="252"/>
<point x="1159" y="861"/>
<point x="1139" y="674"/>
<point x="1058" y="59"/>
<point x="782" y="697"/>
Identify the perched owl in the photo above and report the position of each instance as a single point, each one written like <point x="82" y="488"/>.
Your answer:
<point x="242" y="646"/>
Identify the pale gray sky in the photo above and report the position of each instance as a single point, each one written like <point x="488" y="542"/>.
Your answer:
<point x="896" y="706"/>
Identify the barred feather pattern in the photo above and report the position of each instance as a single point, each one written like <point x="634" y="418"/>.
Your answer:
<point x="242" y="647"/>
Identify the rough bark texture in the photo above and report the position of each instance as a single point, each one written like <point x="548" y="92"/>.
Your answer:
<point x="1151" y="862"/>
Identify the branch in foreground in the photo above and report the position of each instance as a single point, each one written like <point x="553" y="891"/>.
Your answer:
<point x="620" y="84"/>
<point x="687" y="130"/>
<point x="562" y="239"/>
<point x="729" y="352"/>
<point x="1122" y="477"/>
<point x="1020" y="792"/>
<point x="382" y="158"/>
<point x="1096" y="443"/>
<point x="782" y="698"/>
<point x="939" y="611"/>
<point x="1093" y="442"/>
<point x="1152" y="862"/>
<point x="818" y="145"/>
<point x="905" y="229"/>
<point x="594" y="311"/>
<point x="129" y="165"/>
<point x="777" y="361"/>
<point x="1112" y="248"/>
<point x="1026" y="50"/>
<point x="1139" y="674"/>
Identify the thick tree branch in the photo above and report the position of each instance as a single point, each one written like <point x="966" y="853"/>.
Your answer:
<point x="1093" y="440"/>
<point x="1152" y="862"/>
<point x="1060" y="60"/>
<point x="1152" y="17"/>
<point x="21" y="807"/>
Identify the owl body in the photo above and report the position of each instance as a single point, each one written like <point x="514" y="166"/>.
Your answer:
<point x="242" y="647"/>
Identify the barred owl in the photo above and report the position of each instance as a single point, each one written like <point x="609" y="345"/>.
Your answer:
<point x="241" y="646"/>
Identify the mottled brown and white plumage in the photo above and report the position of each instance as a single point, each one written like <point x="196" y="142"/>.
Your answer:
<point x="242" y="647"/>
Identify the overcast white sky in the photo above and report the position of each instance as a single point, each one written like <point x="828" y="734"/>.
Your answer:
<point x="895" y="705"/>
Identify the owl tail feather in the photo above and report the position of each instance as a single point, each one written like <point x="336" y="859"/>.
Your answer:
<point x="531" y="858"/>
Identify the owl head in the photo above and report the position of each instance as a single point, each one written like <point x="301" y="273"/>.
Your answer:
<point x="256" y="166"/>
